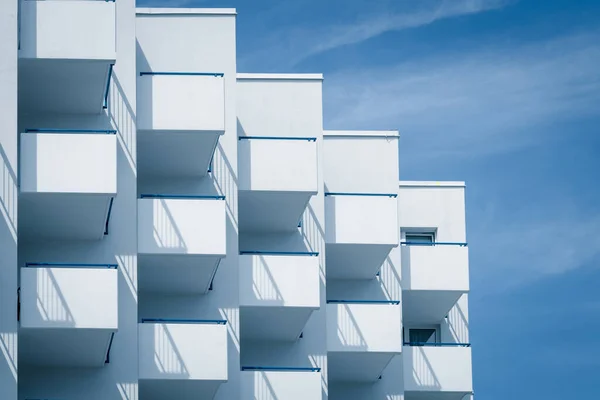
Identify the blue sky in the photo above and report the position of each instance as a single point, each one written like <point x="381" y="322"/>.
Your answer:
<point x="505" y="95"/>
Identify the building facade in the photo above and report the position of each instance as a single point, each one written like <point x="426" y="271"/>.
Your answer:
<point x="175" y="229"/>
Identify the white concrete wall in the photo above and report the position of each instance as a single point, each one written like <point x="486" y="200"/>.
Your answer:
<point x="281" y="385"/>
<point x="69" y="163"/>
<point x="181" y="102"/>
<point x="288" y="281"/>
<point x="437" y="369"/>
<point x="8" y="200"/>
<point x="278" y="165"/>
<point x="438" y="206"/>
<point x="68" y="29"/>
<point x="435" y="267"/>
<point x="200" y="40"/>
<point x="182" y="226"/>
<point x="76" y="297"/>
<point x="183" y="351"/>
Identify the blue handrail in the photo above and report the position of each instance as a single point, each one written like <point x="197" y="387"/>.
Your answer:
<point x="107" y="360"/>
<point x="393" y="302"/>
<point x="423" y="344"/>
<point x="181" y="196"/>
<point x="281" y="253"/>
<point x="362" y="194"/>
<point x="112" y="199"/>
<point x="216" y="74"/>
<point x="69" y="265"/>
<point x="290" y="369"/>
<point x="212" y="279"/>
<point x="434" y="244"/>
<point x="184" y="321"/>
<point x="58" y="130"/>
<point x="310" y="139"/>
<point x="110" y="70"/>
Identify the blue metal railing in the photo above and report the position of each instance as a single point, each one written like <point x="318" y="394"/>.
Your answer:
<point x="110" y="205"/>
<point x="423" y="344"/>
<point x="110" y="70"/>
<point x="58" y="130"/>
<point x="393" y="302"/>
<point x="212" y="279"/>
<point x="309" y="139"/>
<point x="107" y="360"/>
<point x="184" y="321"/>
<point x="70" y="265"/>
<point x="285" y="369"/>
<point x="216" y="74"/>
<point x="362" y="194"/>
<point x="434" y="244"/>
<point x="181" y="196"/>
<point x="280" y="253"/>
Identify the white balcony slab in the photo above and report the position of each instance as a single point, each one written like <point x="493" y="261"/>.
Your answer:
<point x="66" y="47"/>
<point x="278" y="294"/>
<point x="182" y="359"/>
<point x="281" y="385"/>
<point x="439" y="373"/>
<point x="360" y="231"/>
<point x="362" y="338"/>
<point x="68" y="181"/>
<point x="56" y="325"/>
<point x="181" y="241"/>
<point x="181" y="116"/>
<point x="278" y="176"/>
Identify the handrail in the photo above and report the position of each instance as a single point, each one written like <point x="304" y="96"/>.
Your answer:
<point x="281" y="253"/>
<point x="393" y="302"/>
<point x="424" y="344"/>
<point x="59" y="130"/>
<point x="181" y="196"/>
<point x="291" y="369"/>
<point x="461" y="244"/>
<point x="361" y="194"/>
<point x="110" y="205"/>
<point x="110" y="70"/>
<point x="107" y="360"/>
<point x="310" y="139"/>
<point x="69" y="265"/>
<point x="215" y="74"/>
<point x="184" y="321"/>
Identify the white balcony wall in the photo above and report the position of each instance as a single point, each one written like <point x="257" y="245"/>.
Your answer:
<point x="281" y="385"/>
<point x="441" y="267"/>
<point x="361" y="161"/>
<point x="65" y="297"/>
<point x="181" y="226"/>
<point x="364" y="328"/>
<point x="278" y="165"/>
<point x="437" y="369"/>
<point x="78" y="30"/>
<point x="434" y="205"/>
<point x="68" y="163"/>
<point x="279" y="281"/>
<point x="176" y="103"/>
<point x="172" y="351"/>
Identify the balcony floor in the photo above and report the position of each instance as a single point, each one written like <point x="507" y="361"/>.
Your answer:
<point x="180" y="389"/>
<point x="435" y="395"/>
<point x="273" y="323"/>
<point x="355" y="261"/>
<point x="357" y="366"/>
<point x="264" y="211"/>
<point x="427" y="306"/>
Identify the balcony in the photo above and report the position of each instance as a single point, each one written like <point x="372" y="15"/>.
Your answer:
<point x="437" y="371"/>
<point x="68" y="183"/>
<point x="181" y="359"/>
<point x="278" y="176"/>
<point x="435" y="275"/>
<point x="57" y="325"/>
<point x="68" y="48"/>
<point x="283" y="383"/>
<point x="180" y="118"/>
<point x="362" y="338"/>
<point x="360" y="231"/>
<point x="278" y="293"/>
<point x="181" y="241"/>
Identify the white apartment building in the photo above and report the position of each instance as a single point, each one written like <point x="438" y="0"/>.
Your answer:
<point x="174" y="229"/>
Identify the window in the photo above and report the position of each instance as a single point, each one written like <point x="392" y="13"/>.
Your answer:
<point x="421" y="336"/>
<point x="419" y="237"/>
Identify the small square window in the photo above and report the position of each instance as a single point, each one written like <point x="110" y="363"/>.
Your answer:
<point x="422" y="336"/>
<point x="419" y="237"/>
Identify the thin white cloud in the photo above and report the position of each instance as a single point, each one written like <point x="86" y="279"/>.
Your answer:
<point x="475" y="103"/>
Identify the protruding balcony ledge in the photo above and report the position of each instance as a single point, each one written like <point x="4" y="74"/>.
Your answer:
<point x="280" y="253"/>
<point x="283" y="369"/>
<point x="393" y="195"/>
<point x="183" y="321"/>
<point x="392" y="302"/>
<point x="69" y="265"/>
<point x="309" y="139"/>
<point x="72" y="131"/>
<point x="461" y="244"/>
<point x="424" y="344"/>
<point x="182" y="196"/>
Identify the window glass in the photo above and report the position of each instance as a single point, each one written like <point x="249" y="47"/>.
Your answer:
<point x="416" y="336"/>
<point x="419" y="237"/>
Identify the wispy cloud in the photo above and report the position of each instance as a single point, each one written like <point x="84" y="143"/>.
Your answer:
<point x="475" y="103"/>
